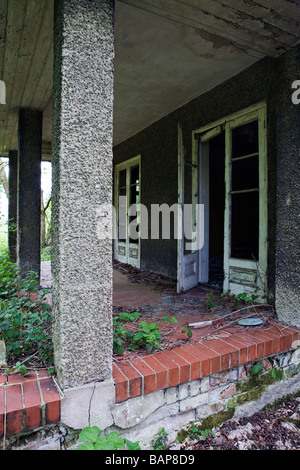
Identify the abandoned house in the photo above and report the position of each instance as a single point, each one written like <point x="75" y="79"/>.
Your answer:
<point x="187" y="109"/>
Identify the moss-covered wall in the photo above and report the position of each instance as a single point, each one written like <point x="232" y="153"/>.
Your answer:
<point x="157" y="145"/>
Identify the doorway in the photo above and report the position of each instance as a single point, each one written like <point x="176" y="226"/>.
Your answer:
<point x="127" y="206"/>
<point x="232" y="187"/>
<point x="216" y="209"/>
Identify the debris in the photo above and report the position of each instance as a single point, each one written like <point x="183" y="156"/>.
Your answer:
<point x="200" y="324"/>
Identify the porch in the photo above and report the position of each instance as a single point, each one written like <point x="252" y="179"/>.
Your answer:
<point x="93" y="85"/>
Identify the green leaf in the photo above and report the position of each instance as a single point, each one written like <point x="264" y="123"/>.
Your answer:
<point x="116" y="440"/>
<point x="87" y="446"/>
<point x="89" y="434"/>
<point x="273" y="373"/>
<point x="104" y="444"/>
<point x="256" y="369"/>
<point x="133" y="445"/>
<point x="23" y="370"/>
<point x="138" y="336"/>
<point x="166" y="319"/>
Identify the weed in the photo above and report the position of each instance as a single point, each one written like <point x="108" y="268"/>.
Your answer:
<point x="25" y="317"/>
<point x="210" y="303"/>
<point x="18" y="368"/>
<point x="186" y="329"/>
<point x="160" y="441"/>
<point x="146" y="336"/>
<point x="256" y="369"/>
<point x="92" y="439"/>
<point x="195" y="432"/>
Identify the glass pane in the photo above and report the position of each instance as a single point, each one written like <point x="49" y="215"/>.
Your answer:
<point x="133" y="233"/>
<point x="245" y="174"/>
<point x="245" y="225"/>
<point x="134" y="175"/>
<point x="134" y="195"/>
<point x="245" y="139"/>
<point x="122" y="178"/>
<point x="122" y="191"/>
<point x="122" y="235"/>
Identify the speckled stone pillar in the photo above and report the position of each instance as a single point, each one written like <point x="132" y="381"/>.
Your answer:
<point x="29" y="190"/>
<point x="288" y="192"/>
<point x="82" y="181"/>
<point x="13" y="204"/>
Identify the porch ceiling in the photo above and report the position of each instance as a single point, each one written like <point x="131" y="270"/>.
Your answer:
<point x="167" y="53"/>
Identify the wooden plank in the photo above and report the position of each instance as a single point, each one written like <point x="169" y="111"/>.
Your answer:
<point x="43" y="90"/>
<point x="267" y="13"/>
<point x="15" y="21"/>
<point x="3" y="31"/>
<point x="287" y="8"/>
<point x="201" y="20"/>
<point x="249" y="21"/>
<point x="29" y="41"/>
<point x="38" y="71"/>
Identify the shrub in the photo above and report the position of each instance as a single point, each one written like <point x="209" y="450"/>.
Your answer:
<point x="25" y="316"/>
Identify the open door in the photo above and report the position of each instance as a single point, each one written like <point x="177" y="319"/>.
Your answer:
<point x="227" y="178"/>
<point x="245" y="226"/>
<point x="188" y="220"/>
<point x="127" y="201"/>
<point x="233" y="189"/>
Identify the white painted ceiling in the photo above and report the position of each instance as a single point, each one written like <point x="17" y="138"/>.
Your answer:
<point x="167" y="52"/>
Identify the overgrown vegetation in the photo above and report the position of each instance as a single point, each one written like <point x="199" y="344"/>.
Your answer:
<point x="92" y="439"/>
<point x="143" y="336"/>
<point x="25" y="316"/>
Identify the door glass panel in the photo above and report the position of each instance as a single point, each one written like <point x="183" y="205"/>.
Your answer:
<point x="128" y="193"/>
<point x="134" y="175"/>
<point x="245" y="173"/>
<point x="122" y="179"/>
<point x="244" y="225"/>
<point x="244" y="194"/>
<point x="245" y="140"/>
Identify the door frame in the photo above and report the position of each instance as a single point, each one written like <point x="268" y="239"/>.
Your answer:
<point x="200" y="139"/>
<point x="126" y="165"/>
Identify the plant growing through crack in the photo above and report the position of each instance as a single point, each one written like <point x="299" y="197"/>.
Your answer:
<point x="92" y="439"/>
<point x="160" y="440"/>
<point x="195" y="432"/>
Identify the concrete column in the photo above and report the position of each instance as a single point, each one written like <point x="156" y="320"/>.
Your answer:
<point x="288" y="192"/>
<point x="29" y="190"/>
<point x="82" y="181"/>
<point x="13" y="204"/>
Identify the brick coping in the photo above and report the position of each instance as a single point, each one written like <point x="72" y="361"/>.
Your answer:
<point x="141" y="375"/>
<point x="33" y="401"/>
<point x="28" y="402"/>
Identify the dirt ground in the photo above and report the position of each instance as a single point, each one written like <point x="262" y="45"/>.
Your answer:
<point x="275" y="429"/>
